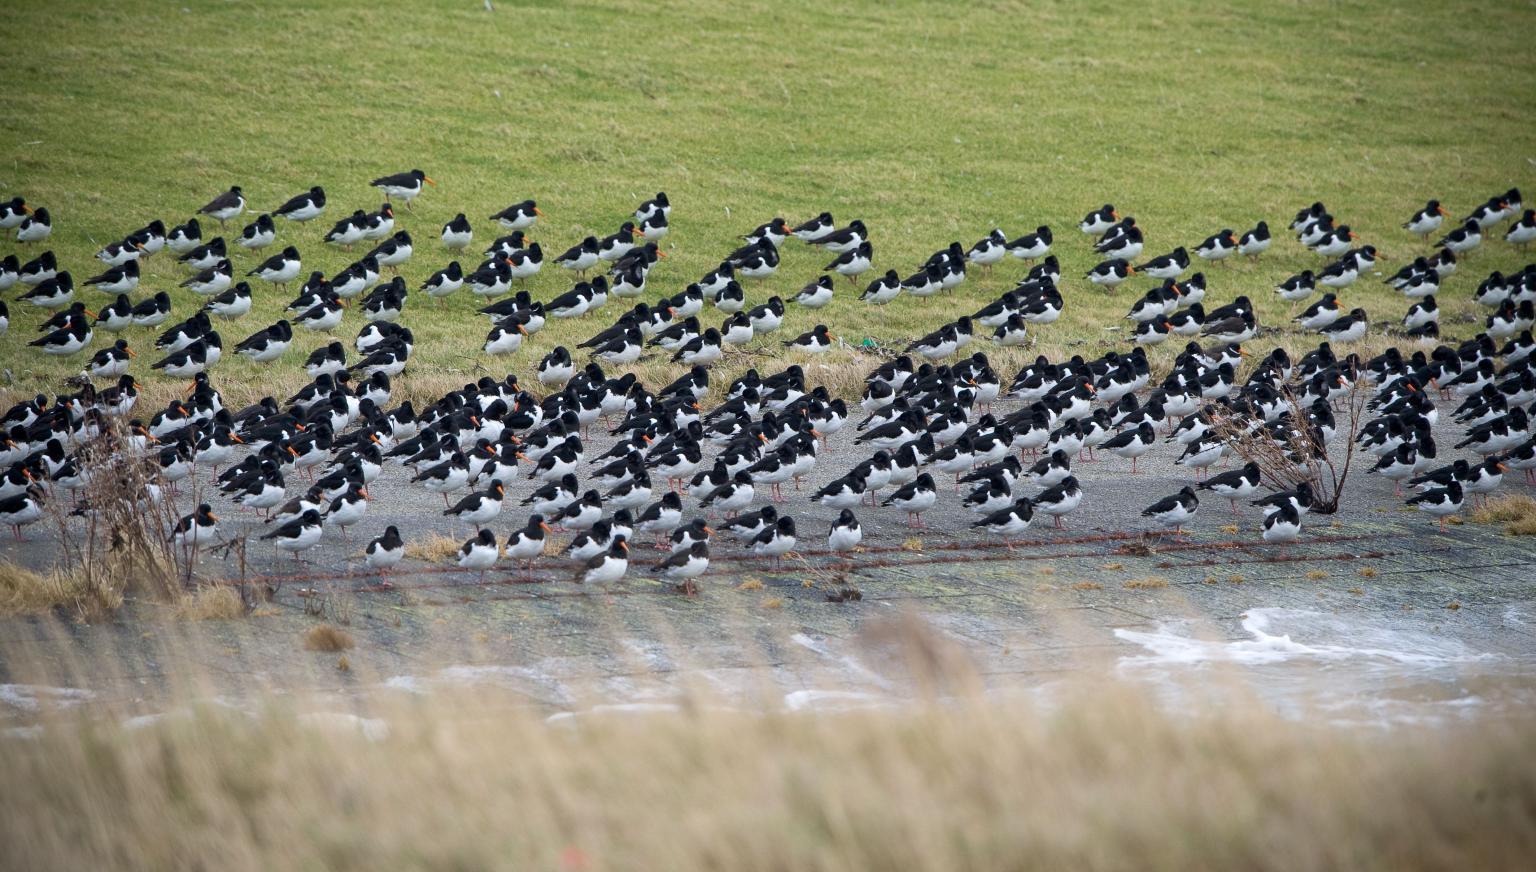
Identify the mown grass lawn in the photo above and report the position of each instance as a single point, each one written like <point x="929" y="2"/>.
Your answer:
<point x="929" y="121"/>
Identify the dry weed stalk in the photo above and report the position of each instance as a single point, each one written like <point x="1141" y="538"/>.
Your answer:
<point x="1301" y="457"/>
<point x="126" y="528"/>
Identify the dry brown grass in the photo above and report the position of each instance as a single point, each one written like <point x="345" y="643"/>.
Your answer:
<point x="1087" y="585"/>
<point x="212" y="602"/>
<point x="1151" y="582"/>
<point x="751" y="584"/>
<point x="433" y="548"/>
<point x="328" y="638"/>
<point x="1517" y="512"/>
<point x="965" y="785"/>
<point x="1317" y="574"/>
<point x="1369" y="572"/>
<point x="25" y="592"/>
<point x="773" y="602"/>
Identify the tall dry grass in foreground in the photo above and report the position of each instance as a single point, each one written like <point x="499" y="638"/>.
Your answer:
<point x="1102" y="782"/>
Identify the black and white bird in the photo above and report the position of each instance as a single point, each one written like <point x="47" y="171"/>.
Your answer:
<point x="1111" y="273"/>
<point x="196" y="529"/>
<point x="775" y="541"/>
<point x="280" y="268"/>
<point x="303" y="207"/>
<point x="1439" y="502"/>
<point x="298" y="535"/>
<point x="1283" y="525"/>
<point x="1060" y="500"/>
<point x="112" y="361"/>
<point x="1218" y="246"/>
<point x="915" y="498"/>
<point x="1427" y="220"/>
<point x="518" y="216"/>
<point x="844" y="534"/>
<point x="1173" y="511"/>
<point x="21" y="509"/>
<point x="1236" y="484"/>
<point x="479" y="507"/>
<point x="35" y="227"/>
<point x="225" y="207"/>
<point x="480" y="552"/>
<point x="853" y="263"/>
<point x="383" y="553"/>
<point x="258" y="234"/>
<point x="1255" y="242"/>
<point x="580" y="257"/>
<point x="1347" y="328"/>
<point x="119" y="279"/>
<point x="13" y="212"/>
<point x="610" y="567"/>
<point x="682" y="567"/>
<point x="816" y="294"/>
<point x="405" y="186"/>
<point x="1031" y="246"/>
<point x="1523" y="231"/>
<point x="1463" y="239"/>
<point x="528" y="543"/>
<point x="1009" y="523"/>
<point x="1099" y="221"/>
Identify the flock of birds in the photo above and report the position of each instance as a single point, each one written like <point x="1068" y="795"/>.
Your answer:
<point x="928" y="422"/>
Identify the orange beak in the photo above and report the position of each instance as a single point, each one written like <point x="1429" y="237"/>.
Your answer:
<point x="537" y="211"/>
<point x="708" y="530"/>
<point x="501" y="491"/>
<point x="625" y="546"/>
<point x="292" y="451"/>
<point x="1441" y="210"/>
<point x="428" y="180"/>
<point x="130" y="352"/>
<point x="1130" y="270"/>
<point x="363" y="492"/>
<point x="237" y="438"/>
<point x="522" y="456"/>
<point x="523" y="330"/>
<point x="660" y="253"/>
<point x="545" y="527"/>
<point x="92" y="314"/>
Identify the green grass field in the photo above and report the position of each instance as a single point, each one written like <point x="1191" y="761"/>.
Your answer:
<point x="930" y="121"/>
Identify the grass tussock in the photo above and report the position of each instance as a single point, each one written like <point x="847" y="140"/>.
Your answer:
<point x="965" y="785"/>
<point x="751" y="584"/>
<point x="432" y="548"/>
<point x="1317" y="574"/>
<point x="1151" y="582"/>
<point x="25" y="592"/>
<point x="212" y="602"/>
<point x="1517" y="512"/>
<point x="1087" y="585"/>
<point x="1369" y="572"/>
<point x="328" y="638"/>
